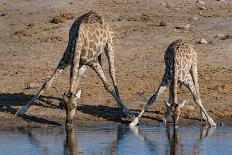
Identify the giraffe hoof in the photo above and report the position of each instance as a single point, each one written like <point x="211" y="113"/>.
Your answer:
<point x="134" y="122"/>
<point x="212" y="124"/>
<point x="164" y="121"/>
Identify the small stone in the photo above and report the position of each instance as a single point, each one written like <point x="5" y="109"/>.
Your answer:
<point x="32" y="86"/>
<point x="31" y="25"/>
<point x="228" y="36"/>
<point x="195" y="18"/>
<point x="187" y="26"/>
<point x="3" y="14"/>
<point x="220" y="35"/>
<point x="203" y="41"/>
<point x="162" y="23"/>
<point x="221" y="0"/>
<point x="200" y="2"/>
<point x="201" y="8"/>
<point x="163" y="3"/>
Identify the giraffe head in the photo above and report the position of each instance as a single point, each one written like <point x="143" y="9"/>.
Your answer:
<point x="176" y="110"/>
<point x="70" y="102"/>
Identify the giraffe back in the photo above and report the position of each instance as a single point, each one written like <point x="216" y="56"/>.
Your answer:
<point x="181" y="55"/>
<point x="90" y="34"/>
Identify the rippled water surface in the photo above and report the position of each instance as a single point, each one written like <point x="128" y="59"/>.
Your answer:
<point x="116" y="139"/>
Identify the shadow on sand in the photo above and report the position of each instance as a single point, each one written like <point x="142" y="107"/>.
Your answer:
<point x="9" y="103"/>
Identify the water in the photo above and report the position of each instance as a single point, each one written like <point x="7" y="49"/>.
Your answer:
<point x="117" y="139"/>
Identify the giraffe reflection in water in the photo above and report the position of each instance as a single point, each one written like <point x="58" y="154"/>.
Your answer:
<point x="141" y="141"/>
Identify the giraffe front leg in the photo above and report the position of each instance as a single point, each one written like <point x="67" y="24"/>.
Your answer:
<point x="110" y="56"/>
<point x="44" y="87"/>
<point x="98" y="69"/>
<point x="151" y="101"/>
<point x="203" y="115"/>
<point x="190" y="85"/>
<point x="168" y="111"/>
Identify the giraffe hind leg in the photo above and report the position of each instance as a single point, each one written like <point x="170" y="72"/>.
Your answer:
<point x="44" y="87"/>
<point x="190" y="85"/>
<point x="110" y="57"/>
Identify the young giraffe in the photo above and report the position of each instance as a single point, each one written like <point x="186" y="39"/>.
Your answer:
<point x="181" y="68"/>
<point x="89" y="36"/>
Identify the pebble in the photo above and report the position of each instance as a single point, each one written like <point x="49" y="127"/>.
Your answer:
<point x="3" y="14"/>
<point x="228" y="36"/>
<point x="200" y="2"/>
<point x="32" y="86"/>
<point x="195" y="18"/>
<point x="221" y="0"/>
<point x="220" y="35"/>
<point x="163" y="3"/>
<point x="203" y="41"/>
<point x="200" y="13"/>
<point x="162" y="23"/>
<point x="201" y="8"/>
<point x="187" y="26"/>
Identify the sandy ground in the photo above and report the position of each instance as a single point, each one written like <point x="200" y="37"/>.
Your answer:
<point x="31" y="44"/>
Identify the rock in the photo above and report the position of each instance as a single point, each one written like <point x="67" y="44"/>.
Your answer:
<point x="163" y="3"/>
<point x="220" y="35"/>
<point x="221" y="0"/>
<point x="187" y="26"/>
<point x="3" y="14"/>
<point x="228" y="36"/>
<point x="31" y="25"/>
<point x="203" y="41"/>
<point x="162" y="23"/>
<point x="54" y="21"/>
<point x="195" y="18"/>
<point x="201" y="8"/>
<point x="32" y="86"/>
<point x="200" y="13"/>
<point x="200" y="2"/>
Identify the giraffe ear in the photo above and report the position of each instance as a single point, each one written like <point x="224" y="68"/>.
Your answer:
<point x="78" y="95"/>
<point x="181" y="104"/>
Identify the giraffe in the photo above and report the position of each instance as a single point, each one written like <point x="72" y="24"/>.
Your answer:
<point x="181" y="68"/>
<point x="89" y="37"/>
